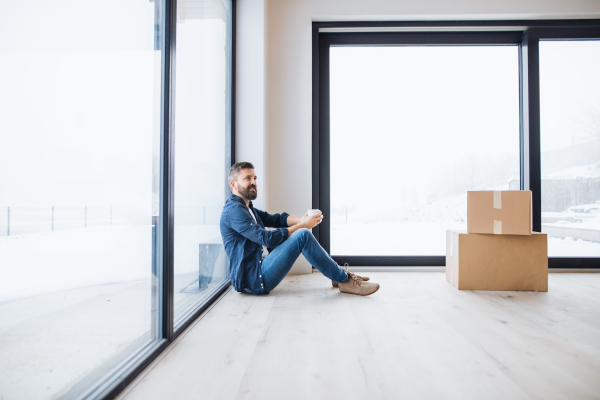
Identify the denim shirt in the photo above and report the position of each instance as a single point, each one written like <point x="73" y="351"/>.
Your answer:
<point x="243" y="239"/>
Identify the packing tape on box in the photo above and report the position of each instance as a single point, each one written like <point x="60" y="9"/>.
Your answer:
<point x="498" y="199"/>
<point x="497" y="227"/>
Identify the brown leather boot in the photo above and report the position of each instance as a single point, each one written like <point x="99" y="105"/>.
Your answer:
<point x="355" y="285"/>
<point x="364" y="278"/>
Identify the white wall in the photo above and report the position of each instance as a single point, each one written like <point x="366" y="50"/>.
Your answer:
<point x="283" y="146"/>
<point x="250" y="90"/>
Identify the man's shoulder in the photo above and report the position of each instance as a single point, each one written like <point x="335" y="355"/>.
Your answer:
<point x="232" y="206"/>
<point x="234" y="200"/>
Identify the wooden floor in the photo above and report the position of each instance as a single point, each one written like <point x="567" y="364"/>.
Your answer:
<point x="417" y="338"/>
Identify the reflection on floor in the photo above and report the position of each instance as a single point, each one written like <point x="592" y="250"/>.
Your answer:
<point x="417" y="338"/>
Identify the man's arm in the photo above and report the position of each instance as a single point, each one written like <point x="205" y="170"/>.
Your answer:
<point x="239" y="219"/>
<point x="272" y="220"/>
<point x="305" y="221"/>
<point x="292" y="220"/>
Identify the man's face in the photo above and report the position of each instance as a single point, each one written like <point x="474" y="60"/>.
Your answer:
<point x="246" y="184"/>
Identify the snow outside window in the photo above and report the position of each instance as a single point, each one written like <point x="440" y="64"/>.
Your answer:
<point x="412" y="129"/>
<point x="79" y="158"/>
<point x="202" y="157"/>
<point x="570" y="143"/>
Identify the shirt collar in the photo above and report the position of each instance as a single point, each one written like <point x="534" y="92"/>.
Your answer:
<point x="237" y="198"/>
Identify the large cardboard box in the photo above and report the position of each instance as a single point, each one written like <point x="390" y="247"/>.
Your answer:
<point x="497" y="262"/>
<point x="502" y="212"/>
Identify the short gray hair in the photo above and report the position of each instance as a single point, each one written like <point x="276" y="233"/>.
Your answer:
<point x="234" y="171"/>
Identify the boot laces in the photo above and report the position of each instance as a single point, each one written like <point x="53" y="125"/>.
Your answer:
<point x="351" y="275"/>
<point x="355" y="279"/>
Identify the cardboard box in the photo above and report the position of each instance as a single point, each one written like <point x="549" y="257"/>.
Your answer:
<point x="497" y="262"/>
<point x="502" y="212"/>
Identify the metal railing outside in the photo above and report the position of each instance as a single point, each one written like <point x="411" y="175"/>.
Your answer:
<point x="27" y="220"/>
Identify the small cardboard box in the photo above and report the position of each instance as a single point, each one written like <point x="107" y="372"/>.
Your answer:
<point x="497" y="262"/>
<point x="501" y="212"/>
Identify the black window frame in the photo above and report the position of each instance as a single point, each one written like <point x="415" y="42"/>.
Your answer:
<point x="525" y="34"/>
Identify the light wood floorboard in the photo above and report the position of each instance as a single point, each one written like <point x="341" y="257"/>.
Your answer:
<point x="417" y="338"/>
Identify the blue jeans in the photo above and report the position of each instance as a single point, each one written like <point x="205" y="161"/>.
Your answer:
<point x="279" y="262"/>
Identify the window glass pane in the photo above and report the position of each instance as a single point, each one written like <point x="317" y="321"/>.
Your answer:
<point x="412" y="129"/>
<point x="202" y="149"/>
<point x="570" y="145"/>
<point x="79" y="129"/>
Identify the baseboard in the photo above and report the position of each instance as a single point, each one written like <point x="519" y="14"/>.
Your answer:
<point x="572" y="270"/>
<point x="443" y="269"/>
<point x="398" y="269"/>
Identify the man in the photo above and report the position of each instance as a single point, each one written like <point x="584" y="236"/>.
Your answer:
<point x="260" y="258"/>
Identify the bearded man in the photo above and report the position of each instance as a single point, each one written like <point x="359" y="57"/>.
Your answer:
<point x="261" y="258"/>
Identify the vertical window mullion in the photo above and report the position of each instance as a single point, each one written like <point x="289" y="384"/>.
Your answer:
<point x="166" y="176"/>
<point x="531" y="124"/>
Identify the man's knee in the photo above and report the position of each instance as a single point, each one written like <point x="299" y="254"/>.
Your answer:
<point x="304" y="234"/>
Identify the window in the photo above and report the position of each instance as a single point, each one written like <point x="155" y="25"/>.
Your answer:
<point x="408" y="116"/>
<point x="412" y="129"/>
<point x="79" y="178"/>
<point x="89" y="293"/>
<point x="202" y="150"/>
<point x="570" y="146"/>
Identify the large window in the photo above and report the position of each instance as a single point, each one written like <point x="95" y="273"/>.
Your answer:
<point x="409" y="116"/>
<point x="79" y="125"/>
<point x="202" y="155"/>
<point x="570" y="146"/>
<point x="88" y="289"/>
<point x="412" y="129"/>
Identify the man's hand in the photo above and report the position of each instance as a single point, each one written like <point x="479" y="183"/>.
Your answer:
<point x="304" y="222"/>
<point x="312" y="221"/>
